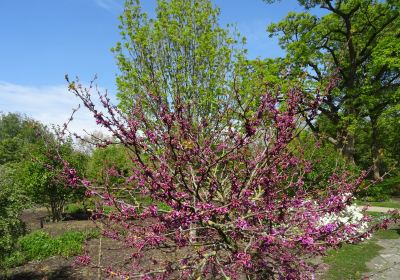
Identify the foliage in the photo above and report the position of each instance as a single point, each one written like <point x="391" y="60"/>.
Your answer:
<point x="109" y="164"/>
<point x="392" y="184"/>
<point x="325" y="157"/>
<point x="13" y="125"/>
<point x="39" y="245"/>
<point x="381" y="191"/>
<point x="28" y="147"/>
<point x="389" y="137"/>
<point x="79" y="211"/>
<point x="15" y="132"/>
<point x="74" y="208"/>
<point x="376" y="192"/>
<point x="358" y="42"/>
<point x="12" y="202"/>
<point x="43" y="184"/>
<point x="182" y="53"/>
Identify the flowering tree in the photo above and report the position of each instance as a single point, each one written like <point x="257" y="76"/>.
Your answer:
<point x="238" y="204"/>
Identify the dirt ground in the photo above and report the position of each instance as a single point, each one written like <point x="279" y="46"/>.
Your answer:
<point x="110" y="252"/>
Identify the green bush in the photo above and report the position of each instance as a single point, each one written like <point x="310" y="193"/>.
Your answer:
<point x="12" y="202"/>
<point x="326" y="160"/>
<point x="74" y="209"/>
<point x="382" y="191"/>
<point x="391" y="185"/>
<point x="114" y="157"/>
<point x="17" y="258"/>
<point x="376" y="193"/>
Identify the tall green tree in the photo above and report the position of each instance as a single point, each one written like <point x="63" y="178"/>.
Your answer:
<point x="357" y="41"/>
<point x="181" y="54"/>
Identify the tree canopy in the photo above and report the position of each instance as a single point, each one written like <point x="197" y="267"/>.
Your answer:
<point x="181" y="54"/>
<point x="358" y="42"/>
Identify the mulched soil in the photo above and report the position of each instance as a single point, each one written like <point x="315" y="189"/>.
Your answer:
<point x="58" y="267"/>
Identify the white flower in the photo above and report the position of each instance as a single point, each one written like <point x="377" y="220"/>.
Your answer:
<point x="351" y="215"/>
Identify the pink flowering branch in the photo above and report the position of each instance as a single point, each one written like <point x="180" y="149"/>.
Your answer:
<point x="238" y="202"/>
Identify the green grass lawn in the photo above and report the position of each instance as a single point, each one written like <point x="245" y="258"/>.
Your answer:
<point x="387" y="234"/>
<point x="349" y="262"/>
<point x="39" y="245"/>
<point x="376" y="214"/>
<point x="391" y="203"/>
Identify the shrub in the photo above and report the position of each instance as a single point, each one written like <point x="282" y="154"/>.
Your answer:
<point x="237" y="200"/>
<point x="113" y="159"/>
<point x="73" y="208"/>
<point x="204" y="141"/>
<point x="12" y="202"/>
<point x="381" y="191"/>
<point x="42" y="183"/>
<point x="350" y="215"/>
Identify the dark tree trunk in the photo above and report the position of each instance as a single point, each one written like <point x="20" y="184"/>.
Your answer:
<point x="375" y="149"/>
<point x="57" y="207"/>
<point x="345" y="144"/>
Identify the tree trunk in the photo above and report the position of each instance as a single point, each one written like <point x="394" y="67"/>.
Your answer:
<point x="351" y="115"/>
<point x="375" y="149"/>
<point x="346" y="145"/>
<point x="57" y="209"/>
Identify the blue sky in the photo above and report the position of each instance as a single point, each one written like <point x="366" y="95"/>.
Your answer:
<point x="43" y="40"/>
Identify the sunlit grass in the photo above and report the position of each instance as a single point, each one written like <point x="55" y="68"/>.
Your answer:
<point x="350" y="261"/>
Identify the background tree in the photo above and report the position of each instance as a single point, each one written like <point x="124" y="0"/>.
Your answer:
<point x="182" y="54"/>
<point x="358" y="40"/>
<point x="109" y="164"/>
<point x="389" y="134"/>
<point x="27" y="148"/>
<point x="15" y="132"/>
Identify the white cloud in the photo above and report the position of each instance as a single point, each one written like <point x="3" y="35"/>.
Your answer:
<point x="47" y="104"/>
<point x="109" y="5"/>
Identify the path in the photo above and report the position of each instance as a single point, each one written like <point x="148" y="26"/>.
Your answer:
<point x="386" y="266"/>
<point x="378" y="209"/>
